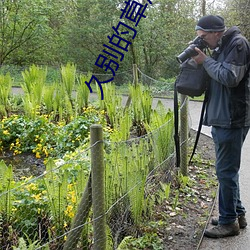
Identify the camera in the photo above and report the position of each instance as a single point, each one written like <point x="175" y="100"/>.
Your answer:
<point x="190" y="51"/>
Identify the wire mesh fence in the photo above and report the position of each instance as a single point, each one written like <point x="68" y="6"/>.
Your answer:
<point x="55" y="210"/>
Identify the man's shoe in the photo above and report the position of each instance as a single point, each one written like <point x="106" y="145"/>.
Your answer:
<point x="241" y="219"/>
<point x="221" y="231"/>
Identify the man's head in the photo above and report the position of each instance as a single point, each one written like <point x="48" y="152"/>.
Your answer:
<point x="211" y="28"/>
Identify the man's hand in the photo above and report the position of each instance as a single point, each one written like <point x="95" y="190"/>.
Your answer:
<point x="200" y="58"/>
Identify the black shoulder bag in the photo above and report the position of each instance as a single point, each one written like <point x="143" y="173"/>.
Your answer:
<point x="191" y="81"/>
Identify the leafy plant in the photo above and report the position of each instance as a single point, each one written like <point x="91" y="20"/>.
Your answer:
<point x="147" y="241"/>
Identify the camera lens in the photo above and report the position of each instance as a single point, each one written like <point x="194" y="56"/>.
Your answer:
<point x="187" y="53"/>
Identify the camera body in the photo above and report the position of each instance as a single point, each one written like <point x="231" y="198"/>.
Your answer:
<point x="190" y="51"/>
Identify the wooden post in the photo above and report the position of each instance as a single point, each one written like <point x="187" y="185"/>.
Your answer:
<point x="184" y="135"/>
<point x="135" y="81"/>
<point x="98" y="195"/>
<point x="135" y="74"/>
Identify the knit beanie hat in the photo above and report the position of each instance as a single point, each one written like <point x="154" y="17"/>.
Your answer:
<point x="210" y="23"/>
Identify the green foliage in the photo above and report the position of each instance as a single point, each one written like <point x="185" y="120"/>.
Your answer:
<point x="161" y="126"/>
<point x="68" y="73"/>
<point x="55" y="196"/>
<point x="5" y="90"/>
<point x="112" y="105"/>
<point x="30" y="206"/>
<point x="141" y="104"/>
<point x="30" y="245"/>
<point x="147" y="241"/>
<point x="43" y="137"/>
<point x="48" y="98"/>
<point x="126" y="172"/>
<point x="57" y="188"/>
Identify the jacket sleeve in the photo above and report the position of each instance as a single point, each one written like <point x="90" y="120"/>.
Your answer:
<point x="230" y="70"/>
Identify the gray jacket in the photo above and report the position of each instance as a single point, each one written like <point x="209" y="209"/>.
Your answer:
<point x="228" y="103"/>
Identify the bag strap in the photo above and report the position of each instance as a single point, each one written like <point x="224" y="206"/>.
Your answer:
<point x="199" y="127"/>
<point x="176" y="126"/>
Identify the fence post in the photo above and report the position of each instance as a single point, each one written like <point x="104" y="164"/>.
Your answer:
<point x="135" y="74"/>
<point x="98" y="195"/>
<point x="135" y="77"/>
<point x="184" y="135"/>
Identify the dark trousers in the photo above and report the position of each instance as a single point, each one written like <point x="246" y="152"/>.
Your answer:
<point x="228" y="145"/>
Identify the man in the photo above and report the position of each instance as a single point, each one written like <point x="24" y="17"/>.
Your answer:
<point x="228" y="112"/>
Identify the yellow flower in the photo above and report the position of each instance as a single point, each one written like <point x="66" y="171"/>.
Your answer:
<point x="38" y="156"/>
<point x="73" y="199"/>
<point x="37" y="196"/>
<point x="6" y="132"/>
<point x="69" y="211"/>
<point x="31" y="187"/>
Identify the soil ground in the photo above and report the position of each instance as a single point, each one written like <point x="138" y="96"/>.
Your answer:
<point x="187" y="223"/>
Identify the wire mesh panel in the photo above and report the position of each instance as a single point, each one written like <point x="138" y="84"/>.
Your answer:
<point x="54" y="208"/>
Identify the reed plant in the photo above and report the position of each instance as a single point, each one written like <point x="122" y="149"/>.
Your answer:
<point x="141" y="105"/>
<point x="126" y="172"/>
<point x="82" y="93"/>
<point x="111" y="104"/>
<point x="161" y="130"/>
<point x="34" y="80"/>
<point x="48" y="98"/>
<point x="68" y="74"/>
<point x="62" y="106"/>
